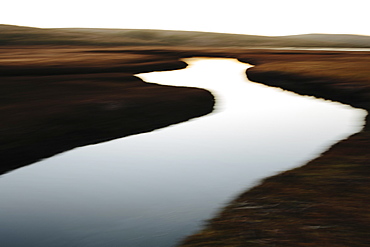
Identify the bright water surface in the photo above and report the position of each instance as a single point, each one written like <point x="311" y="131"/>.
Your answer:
<point x="155" y="188"/>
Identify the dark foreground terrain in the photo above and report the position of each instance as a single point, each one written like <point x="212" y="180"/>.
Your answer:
<point x="54" y="98"/>
<point x="325" y="202"/>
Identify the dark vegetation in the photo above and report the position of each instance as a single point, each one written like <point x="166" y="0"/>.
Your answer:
<point x="325" y="202"/>
<point x="63" y="88"/>
<point x="53" y="100"/>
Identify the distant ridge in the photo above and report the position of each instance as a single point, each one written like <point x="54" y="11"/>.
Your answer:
<point x="345" y="39"/>
<point x="20" y="35"/>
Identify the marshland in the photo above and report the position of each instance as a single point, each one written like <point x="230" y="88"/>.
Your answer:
<point x="68" y="88"/>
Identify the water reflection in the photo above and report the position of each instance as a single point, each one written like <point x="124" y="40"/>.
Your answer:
<point x="153" y="189"/>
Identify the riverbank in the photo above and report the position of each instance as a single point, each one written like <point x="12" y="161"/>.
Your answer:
<point x="57" y="98"/>
<point x="323" y="203"/>
<point x="54" y="99"/>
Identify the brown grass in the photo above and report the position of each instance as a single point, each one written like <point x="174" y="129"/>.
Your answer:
<point x="71" y="98"/>
<point x="323" y="203"/>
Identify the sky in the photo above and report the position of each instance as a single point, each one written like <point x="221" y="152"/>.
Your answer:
<point x="258" y="17"/>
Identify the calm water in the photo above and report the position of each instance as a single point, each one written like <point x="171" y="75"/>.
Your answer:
<point x="155" y="188"/>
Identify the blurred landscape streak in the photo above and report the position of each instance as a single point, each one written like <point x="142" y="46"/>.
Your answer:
<point x="64" y="88"/>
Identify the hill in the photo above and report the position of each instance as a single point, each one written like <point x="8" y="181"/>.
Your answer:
<point x="18" y="35"/>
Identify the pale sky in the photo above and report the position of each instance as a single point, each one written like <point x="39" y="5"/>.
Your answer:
<point x="259" y="17"/>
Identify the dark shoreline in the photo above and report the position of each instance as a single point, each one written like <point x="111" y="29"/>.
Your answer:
<point x="52" y="102"/>
<point x="324" y="202"/>
<point x="73" y="101"/>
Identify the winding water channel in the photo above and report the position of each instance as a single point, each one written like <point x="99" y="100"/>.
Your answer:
<point x="153" y="189"/>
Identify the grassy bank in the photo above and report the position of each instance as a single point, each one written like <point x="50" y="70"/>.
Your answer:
<point x="53" y="100"/>
<point x="324" y="202"/>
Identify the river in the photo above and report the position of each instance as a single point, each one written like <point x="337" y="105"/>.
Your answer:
<point x="155" y="188"/>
